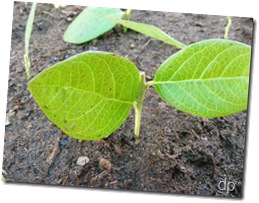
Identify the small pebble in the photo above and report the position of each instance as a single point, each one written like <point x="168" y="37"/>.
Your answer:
<point x="40" y="25"/>
<point x="82" y="161"/>
<point x="233" y="140"/>
<point x="21" y="114"/>
<point x="69" y="19"/>
<point x="132" y="46"/>
<point x="64" y="142"/>
<point x="105" y="164"/>
<point x="24" y="87"/>
<point x="7" y="122"/>
<point x="13" y="53"/>
<point x="126" y="170"/>
<point x="167" y="131"/>
<point x="93" y="48"/>
<point x="204" y="138"/>
<point x="53" y="60"/>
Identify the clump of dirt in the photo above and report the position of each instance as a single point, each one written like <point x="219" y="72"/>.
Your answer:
<point x="177" y="152"/>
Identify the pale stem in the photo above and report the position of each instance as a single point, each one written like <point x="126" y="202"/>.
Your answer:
<point x="28" y="32"/>
<point x="27" y="65"/>
<point x="227" y="27"/>
<point x="126" y="17"/>
<point x="138" y="104"/>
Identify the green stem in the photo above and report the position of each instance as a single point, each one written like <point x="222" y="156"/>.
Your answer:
<point x="126" y="17"/>
<point x="227" y="27"/>
<point x="138" y="104"/>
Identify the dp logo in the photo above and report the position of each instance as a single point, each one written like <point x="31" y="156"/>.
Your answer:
<point x="225" y="185"/>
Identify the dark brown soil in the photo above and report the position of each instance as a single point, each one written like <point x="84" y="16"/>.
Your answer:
<point x="177" y="152"/>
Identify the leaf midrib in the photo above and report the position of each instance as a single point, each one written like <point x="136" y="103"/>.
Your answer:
<point x="95" y="93"/>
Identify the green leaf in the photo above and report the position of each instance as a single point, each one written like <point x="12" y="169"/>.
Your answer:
<point x="208" y="79"/>
<point x="90" y="24"/>
<point x="87" y="96"/>
<point x="149" y="30"/>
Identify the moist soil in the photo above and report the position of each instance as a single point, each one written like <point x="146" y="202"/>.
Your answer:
<point x="177" y="152"/>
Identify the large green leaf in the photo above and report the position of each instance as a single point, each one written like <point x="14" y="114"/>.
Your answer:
<point x="209" y="78"/>
<point x="87" y="96"/>
<point x="149" y="30"/>
<point x="90" y="24"/>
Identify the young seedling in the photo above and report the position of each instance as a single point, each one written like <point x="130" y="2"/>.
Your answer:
<point x="90" y="95"/>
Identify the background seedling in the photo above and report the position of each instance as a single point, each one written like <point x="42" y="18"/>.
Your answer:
<point x="93" y="22"/>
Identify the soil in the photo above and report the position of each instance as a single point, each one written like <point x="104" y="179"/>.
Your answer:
<point x="177" y="152"/>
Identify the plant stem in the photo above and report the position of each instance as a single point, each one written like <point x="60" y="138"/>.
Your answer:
<point x="28" y="32"/>
<point x="27" y="65"/>
<point x="138" y="104"/>
<point x="126" y="17"/>
<point x="227" y="27"/>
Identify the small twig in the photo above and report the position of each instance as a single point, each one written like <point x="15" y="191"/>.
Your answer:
<point x="113" y="182"/>
<point x="77" y="179"/>
<point x="48" y="13"/>
<point x="195" y="134"/>
<point x="140" y="51"/>
<point x="14" y="109"/>
<point x="54" y="151"/>
<point x="95" y="178"/>
<point x="173" y="157"/>
<point x="213" y="165"/>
